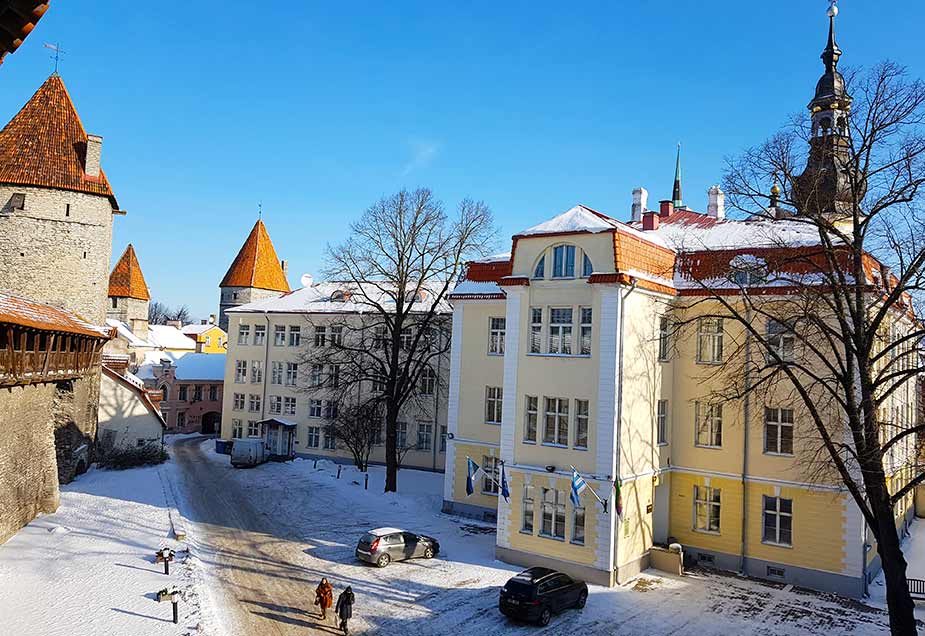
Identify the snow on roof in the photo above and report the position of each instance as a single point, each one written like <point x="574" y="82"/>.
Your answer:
<point x="476" y="288"/>
<point x="125" y="332"/>
<point x="189" y="366"/>
<point x="501" y="257"/>
<point x="17" y="310"/>
<point x="195" y="330"/>
<point x="381" y="532"/>
<point x="576" y="219"/>
<point x="336" y="297"/>
<point x="690" y="231"/>
<point x="169" y="337"/>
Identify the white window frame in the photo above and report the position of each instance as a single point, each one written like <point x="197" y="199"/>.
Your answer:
<point x="491" y="468"/>
<point x="425" y="436"/>
<point x="709" y="340"/>
<point x="531" y="418"/>
<point x="279" y="336"/>
<point x="244" y="334"/>
<point x="778" y="514"/>
<point x="707" y="499"/>
<point x="775" y="428"/>
<point x="276" y="404"/>
<point x="254" y="403"/>
<point x="585" y="317"/>
<point x="276" y="372"/>
<point x="289" y="406"/>
<point x="661" y="422"/>
<point x="708" y="424"/>
<point x="536" y="330"/>
<point x="239" y="402"/>
<point x="240" y="371"/>
<point x="260" y="335"/>
<point x="579" y="520"/>
<point x="295" y="335"/>
<point x="554" y="510"/>
<point x="564" y="272"/>
<point x="292" y="373"/>
<point x="314" y="435"/>
<point x="315" y="408"/>
<point x="427" y="382"/>
<point x="336" y="338"/>
<point x="256" y="371"/>
<point x="556" y="411"/>
<point x="664" y="339"/>
<point x="321" y="335"/>
<point x="237" y="429"/>
<point x="560" y="332"/>
<point x="528" y="519"/>
<point x="780" y="339"/>
<point x="582" y="421"/>
<point x="253" y="428"/>
<point x="496" y="333"/>
<point x="494" y="397"/>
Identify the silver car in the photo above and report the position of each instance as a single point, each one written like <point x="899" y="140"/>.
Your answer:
<point x="384" y="545"/>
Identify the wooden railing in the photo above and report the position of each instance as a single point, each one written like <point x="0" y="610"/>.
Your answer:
<point x="31" y="355"/>
<point x="916" y="588"/>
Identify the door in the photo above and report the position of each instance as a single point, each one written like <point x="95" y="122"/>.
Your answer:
<point x="412" y="547"/>
<point x="396" y="546"/>
<point x="560" y="591"/>
<point x="273" y="440"/>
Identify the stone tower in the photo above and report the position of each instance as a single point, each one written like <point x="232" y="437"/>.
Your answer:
<point x="56" y="207"/>
<point x="128" y="294"/>
<point x="255" y="274"/>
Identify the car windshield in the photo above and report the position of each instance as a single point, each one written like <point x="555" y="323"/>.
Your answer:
<point x="520" y="589"/>
<point x="368" y="538"/>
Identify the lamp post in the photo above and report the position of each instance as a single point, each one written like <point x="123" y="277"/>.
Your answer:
<point x="165" y="556"/>
<point x="172" y="595"/>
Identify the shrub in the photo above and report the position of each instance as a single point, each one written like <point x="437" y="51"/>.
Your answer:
<point x="121" y="458"/>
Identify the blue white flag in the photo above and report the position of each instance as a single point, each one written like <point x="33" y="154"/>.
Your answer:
<point x="505" y="491"/>
<point x="578" y="486"/>
<point x="471" y="470"/>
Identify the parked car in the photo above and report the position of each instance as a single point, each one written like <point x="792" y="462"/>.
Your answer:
<point x="537" y="593"/>
<point x="384" y="545"/>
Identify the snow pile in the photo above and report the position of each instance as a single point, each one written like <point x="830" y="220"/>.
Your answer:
<point x="576" y="219"/>
<point x="169" y="337"/>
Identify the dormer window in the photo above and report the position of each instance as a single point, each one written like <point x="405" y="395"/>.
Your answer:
<point x="563" y="261"/>
<point x="540" y="270"/>
<point x="340" y="296"/>
<point x="586" y="267"/>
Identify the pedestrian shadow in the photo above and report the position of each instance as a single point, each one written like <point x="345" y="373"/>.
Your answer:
<point x="274" y="607"/>
<point x="289" y="620"/>
<point x="151" y="618"/>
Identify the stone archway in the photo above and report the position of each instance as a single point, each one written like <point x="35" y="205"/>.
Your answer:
<point x="211" y="423"/>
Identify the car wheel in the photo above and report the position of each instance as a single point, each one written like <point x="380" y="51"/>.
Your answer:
<point x="428" y="552"/>
<point x="582" y="599"/>
<point x="545" y="617"/>
<point x="383" y="560"/>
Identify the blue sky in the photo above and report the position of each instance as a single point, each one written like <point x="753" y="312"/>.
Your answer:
<point x="318" y="110"/>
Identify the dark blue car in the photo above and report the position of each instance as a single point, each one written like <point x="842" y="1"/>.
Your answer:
<point x="536" y="594"/>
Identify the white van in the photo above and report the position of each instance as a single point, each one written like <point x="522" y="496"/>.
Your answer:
<point x="248" y="452"/>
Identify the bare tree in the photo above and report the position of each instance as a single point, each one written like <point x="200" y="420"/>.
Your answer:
<point x="827" y="301"/>
<point x="358" y="428"/>
<point x="402" y="259"/>
<point x="159" y="313"/>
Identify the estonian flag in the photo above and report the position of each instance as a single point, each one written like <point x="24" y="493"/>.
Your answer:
<point x="505" y="492"/>
<point x="471" y="470"/>
<point x="578" y="485"/>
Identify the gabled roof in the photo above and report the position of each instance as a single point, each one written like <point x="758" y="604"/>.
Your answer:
<point x="577" y="219"/>
<point x="195" y="330"/>
<point x="256" y="264"/>
<point x="16" y="310"/>
<point x="169" y="337"/>
<point x="45" y="145"/>
<point x="17" y="21"/>
<point x="128" y="383"/>
<point x="126" y="279"/>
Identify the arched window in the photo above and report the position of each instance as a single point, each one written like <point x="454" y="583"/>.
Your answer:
<point x="586" y="267"/>
<point x="563" y="261"/>
<point x="540" y="270"/>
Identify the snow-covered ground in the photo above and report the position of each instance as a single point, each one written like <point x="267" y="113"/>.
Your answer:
<point x="88" y="568"/>
<point x="914" y="551"/>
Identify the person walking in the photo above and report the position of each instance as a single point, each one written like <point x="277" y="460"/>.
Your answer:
<point x="344" y="607"/>
<point x="324" y="597"/>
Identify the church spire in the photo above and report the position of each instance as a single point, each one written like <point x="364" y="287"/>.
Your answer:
<point x="676" y="191"/>
<point x="831" y="53"/>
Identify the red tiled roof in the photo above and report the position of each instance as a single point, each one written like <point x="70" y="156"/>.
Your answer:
<point x="17" y="310"/>
<point x="256" y="265"/>
<point x="490" y="272"/>
<point x="126" y="279"/>
<point x="17" y="20"/>
<point x="45" y="145"/>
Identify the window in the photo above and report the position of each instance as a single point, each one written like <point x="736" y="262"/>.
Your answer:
<point x="778" y="520"/>
<point x="778" y="431"/>
<point x="425" y="436"/>
<point x="183" y="396"/>
<point x="197" y="393"/>
<point x="260" y="334"/>
<point x="536" y="329"/>
<point x="563" y="261"/>
<point x="165" y="392"/>
<point x="585" y="331"/>
<point x="777" y="573"/>
<point x="540" y="270"/>
<point x="115" y="302"/>
<point x="530" y="416"/>
<point x="317" y="375"/>
<point x="240" y="371"/>
<point x="337" y="336"/>
<point x="428" y="381"/>
<point x="401" y="434"/>
<point x="581" y="423"/>
<point x="664" y="339"/>
<point x="238" y="402"/>
<point x="244" y="334"/>
<point x="492" y="404"/>
<point x="237" y="429"/>
<point x="710" y="340"/>
<point x="405" y="338"/>
<point x="780" y="341"/>
<point x="314" y="437"/>
<point x="279" y="336"/>
<point x="586" y="268"/>
<point x="276" y="373"/>
<point x="555" y="426"/>
<point x="256" y="371"/>
<point x="276" y="404"/>
<point x="330" y="409"/>
<point x="67" y="209"/>
<point x="560" y="330"/>
<point x="253" y="428"/>
<point x="496" y="336"/>
<point x="443" y="439"/>
<point x="706" y="508"/>
<point x="208" y="341"/>
<point x="329" y="439"/>
<point x="321" y="336"/>
<point x="289" y="406"/>
<point x="709" y="423"/>
<point x="181" y="419"/>
<point x="334" y="375"/>
<point x="314" y="408"/>
<point x="295" y="336"/>
<point x="380" y="337"/>
<point x="292" y="373"/>
<point x="213" y="393"/>
<point x="578" y="525"/>
<point x="490" y="468"/>
<point x="527" y="509"/>
<point x="553" y="522"/>
<point x="661" y="422"/>
<point x="378" y="384"/>
<point x="253" y="403"/>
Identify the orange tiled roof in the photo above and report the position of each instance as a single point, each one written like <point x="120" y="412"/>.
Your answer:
<point x="17" y="21"/>
<point x="256" y="264"/>
<point x="126" y="279"/>
<point x="45" y="143"/>
<point x="16" y="310"/>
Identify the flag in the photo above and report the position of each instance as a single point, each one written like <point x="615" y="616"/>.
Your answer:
<point x="578" y="486"/>
<point x="618" y="497"/>
<point x="505" y="491"/>
<point x="471" y="470"/>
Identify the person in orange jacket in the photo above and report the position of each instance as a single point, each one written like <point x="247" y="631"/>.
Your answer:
<point x="324" y="597"/>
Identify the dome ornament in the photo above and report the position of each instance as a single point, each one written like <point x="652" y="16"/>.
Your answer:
<point x="833" y="8"/>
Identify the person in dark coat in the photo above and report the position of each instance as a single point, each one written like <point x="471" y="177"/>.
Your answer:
<point x="344" y="607"/>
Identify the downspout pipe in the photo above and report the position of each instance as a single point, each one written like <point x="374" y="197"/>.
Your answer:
<point x="746" y="415"/>
<point x="620" y="355"/>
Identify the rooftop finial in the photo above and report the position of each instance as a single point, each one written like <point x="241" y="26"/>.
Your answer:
<point x="676" y="191"/>
<point x="58" y="52"/>
<point x="259" y="209"/>
<point x="833" y="8"/>
<point x="831" y="53"/>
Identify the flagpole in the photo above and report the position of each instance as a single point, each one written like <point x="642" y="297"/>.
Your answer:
<point x="482" y="470"/>
<point x="593" y="491"/>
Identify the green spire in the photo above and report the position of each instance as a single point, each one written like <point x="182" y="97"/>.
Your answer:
<point x="676" y="192"/>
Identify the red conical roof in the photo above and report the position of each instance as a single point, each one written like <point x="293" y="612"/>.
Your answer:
<point x="126" y="280"/>
<point x="257" y="265"/>
<point x="45" y="145"/>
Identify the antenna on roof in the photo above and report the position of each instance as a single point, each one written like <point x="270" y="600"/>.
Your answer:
<point x="58" y="53"/>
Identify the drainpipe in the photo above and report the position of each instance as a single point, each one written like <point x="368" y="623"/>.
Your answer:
<point x="622" y="321"/>
<point x="746" y="414"/>
<point x="266" y="370"/>
<point x="435" y="438"/>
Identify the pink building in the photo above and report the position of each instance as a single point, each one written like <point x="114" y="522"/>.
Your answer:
<point x="191" y="388"/>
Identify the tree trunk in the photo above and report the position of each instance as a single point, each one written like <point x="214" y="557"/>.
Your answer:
<point x="391" y="456"/>
<point x="899" y="602"/>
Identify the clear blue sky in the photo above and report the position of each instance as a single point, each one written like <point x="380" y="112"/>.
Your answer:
<point x="318" y="109"/>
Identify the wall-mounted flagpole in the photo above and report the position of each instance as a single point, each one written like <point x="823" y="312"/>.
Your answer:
<point x="579" y="484"/>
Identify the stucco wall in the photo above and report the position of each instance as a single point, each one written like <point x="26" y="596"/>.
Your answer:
<point x="124" y="418"/>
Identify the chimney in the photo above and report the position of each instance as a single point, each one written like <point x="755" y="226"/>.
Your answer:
<point x="716" y="207"/>
<point x="92" y="160"/>
<point x="174" y="323"/>
<point x="211" y="319"/>
<point x="285" y="266"/>
<point x="640" y="198"/>
<point x="203" y="322"/>
<point x="650" y="220"/>
<point x="665" y="208"/>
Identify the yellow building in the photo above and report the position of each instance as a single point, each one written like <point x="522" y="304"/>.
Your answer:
<point x="209" y="337"/>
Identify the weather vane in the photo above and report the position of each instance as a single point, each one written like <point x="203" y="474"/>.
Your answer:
<point x="58" y="53"/>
